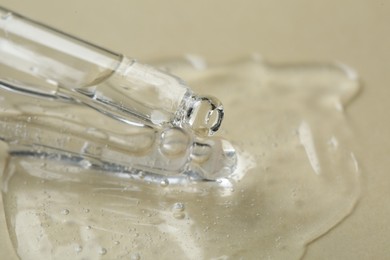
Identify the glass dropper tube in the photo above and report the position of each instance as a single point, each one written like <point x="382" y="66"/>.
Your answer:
<point x="35" y="58"/>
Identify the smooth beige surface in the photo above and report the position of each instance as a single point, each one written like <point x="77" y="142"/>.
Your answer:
<point x="355" y="32"/>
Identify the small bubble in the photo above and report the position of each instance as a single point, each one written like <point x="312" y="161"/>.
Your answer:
<point x="116" y="242"/>
<point x="85" y="163"/>
<point x="86" y="210"/>
<point x="135" y="256"/>
<point x="65" y="212"/>
<point x="88" y="227"/>
<point x="141" y="174"/>
<point x="33" y="69"/>
<point x="45" y="225"/>
<point x="92" y="149"/>
<point x="164" y="183"/>
<point x="78" y="248"/>
<point x="178" y="207"/>
<point x="102" y="251"/>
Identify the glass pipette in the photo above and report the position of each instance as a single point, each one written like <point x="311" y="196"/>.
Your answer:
<point x="35" y="58"/>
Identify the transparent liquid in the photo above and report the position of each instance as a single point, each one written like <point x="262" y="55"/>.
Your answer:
<point x="296" y="177"/>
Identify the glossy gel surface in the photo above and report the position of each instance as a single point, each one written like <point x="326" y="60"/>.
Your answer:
<point x="297" y="177"/>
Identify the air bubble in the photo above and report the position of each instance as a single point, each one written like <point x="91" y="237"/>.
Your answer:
<point x="178" y="210"/>
<point x="91" y="149"/>
<point x="85" y="163"/>
<point x="34" y="69"/>
<point x="141" y="174"/>
<point x="164" y="183"/>
<point x="78" y="248"/>
<point x="135" y="256"/>
<point x="178" y="207"/>
<point x="65" y="212"/>
<point x="102" y="251"/>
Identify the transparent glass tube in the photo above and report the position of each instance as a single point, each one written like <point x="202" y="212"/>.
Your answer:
<point x="35" y="58"/>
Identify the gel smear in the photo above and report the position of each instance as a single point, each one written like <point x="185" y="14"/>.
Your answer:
<point x="296" y="177"/>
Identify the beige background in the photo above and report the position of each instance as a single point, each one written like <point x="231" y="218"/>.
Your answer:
<point x="355" y="31"/>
